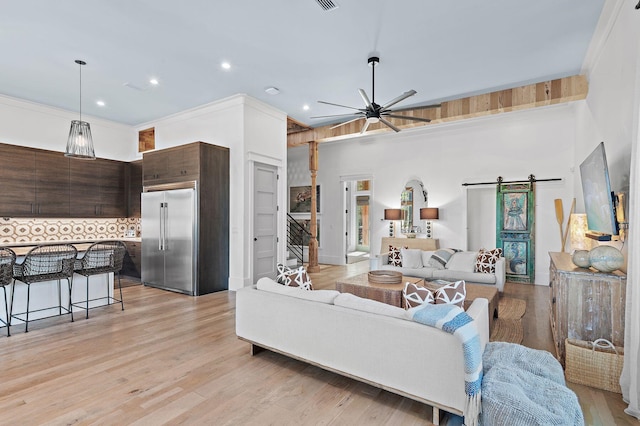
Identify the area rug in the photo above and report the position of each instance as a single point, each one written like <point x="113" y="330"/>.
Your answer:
<point x="508" y="326"/>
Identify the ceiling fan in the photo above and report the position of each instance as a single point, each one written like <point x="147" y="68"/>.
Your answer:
<point x="373" y="112"/>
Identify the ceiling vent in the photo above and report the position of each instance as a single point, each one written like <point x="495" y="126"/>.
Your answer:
<point x="327" y="5"/>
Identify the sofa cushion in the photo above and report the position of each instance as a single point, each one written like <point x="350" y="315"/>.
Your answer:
<point x="425" y="272"/>
<point x="395" y="259"/>
<point x="351" y="301"/>
<point x="440" y="258"/>
<point x="472" y="277"/>
<point x="298" y="278"/>
<point x="487" y="259"/>
<point x="426" y="255"/>
<point x="411" y="258"/>
<point x="463" y="261"/>
<point x="415" y="295"/>
<point x="322" y="296"/>
<point x="451" y="294"/>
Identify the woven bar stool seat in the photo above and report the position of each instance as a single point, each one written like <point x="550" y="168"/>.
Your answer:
<point x="101" y="258"/>
<point x="45" y="263"/>
<point x="7" y="261"/>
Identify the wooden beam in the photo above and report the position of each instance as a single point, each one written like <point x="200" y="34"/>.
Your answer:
<point x="551" y="92"/>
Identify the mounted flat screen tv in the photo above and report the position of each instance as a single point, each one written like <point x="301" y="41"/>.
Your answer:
<point x="598" y="198"/>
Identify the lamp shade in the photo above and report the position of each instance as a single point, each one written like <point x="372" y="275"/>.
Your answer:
<point x="429" y="213"/>
<point x="392" y="214"/>
<point x="80" y="142"/>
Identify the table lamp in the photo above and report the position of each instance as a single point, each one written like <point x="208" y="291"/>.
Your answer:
<point x="429" y="214"/>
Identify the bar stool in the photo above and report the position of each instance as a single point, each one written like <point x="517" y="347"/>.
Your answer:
<point x="102" y="257"/>
<point x="7" y="261"/>
<point x="45" y="263"/>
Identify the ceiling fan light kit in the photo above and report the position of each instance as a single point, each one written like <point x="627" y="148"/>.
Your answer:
<point x="374" y="113"/>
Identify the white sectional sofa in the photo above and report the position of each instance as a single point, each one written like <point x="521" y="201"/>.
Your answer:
<point x="461" y="266"/>
<point x="359" y="338"/>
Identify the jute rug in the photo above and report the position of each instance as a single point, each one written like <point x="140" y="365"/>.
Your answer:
<point x="508" y="327"/>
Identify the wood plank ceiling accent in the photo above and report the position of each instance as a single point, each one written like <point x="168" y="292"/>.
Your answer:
<point x="550" y="92"/>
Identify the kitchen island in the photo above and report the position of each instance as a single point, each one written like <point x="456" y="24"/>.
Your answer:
<point x="46" y="294"/>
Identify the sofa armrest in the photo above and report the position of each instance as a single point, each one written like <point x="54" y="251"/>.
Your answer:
<point x="479" y="311"/>
<point x="501" y="273"/>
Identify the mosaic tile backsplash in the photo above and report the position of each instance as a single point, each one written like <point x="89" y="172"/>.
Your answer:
<point x="21" y="230"/>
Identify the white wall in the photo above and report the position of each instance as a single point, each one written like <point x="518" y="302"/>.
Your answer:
<point x="512" y="145"/>
<point x="38" y="126"/>
<point x="253" y="131"/>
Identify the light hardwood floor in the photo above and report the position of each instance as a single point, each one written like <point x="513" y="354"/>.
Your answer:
<point x="175" y="359"/>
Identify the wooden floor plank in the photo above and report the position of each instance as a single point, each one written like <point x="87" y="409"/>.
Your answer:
<point x="174" y="359"/>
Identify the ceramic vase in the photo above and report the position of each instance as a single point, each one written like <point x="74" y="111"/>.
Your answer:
<point x="581" y="258"/>
<point x="606" y="258"/>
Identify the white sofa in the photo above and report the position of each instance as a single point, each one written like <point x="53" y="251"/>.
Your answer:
<point x="359" y="338"/>
<point x="461" y="266"/>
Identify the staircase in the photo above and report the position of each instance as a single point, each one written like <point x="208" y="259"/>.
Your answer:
<point x="296" y="235"/>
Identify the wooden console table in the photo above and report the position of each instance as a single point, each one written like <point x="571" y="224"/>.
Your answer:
<point x="585" y="304"/>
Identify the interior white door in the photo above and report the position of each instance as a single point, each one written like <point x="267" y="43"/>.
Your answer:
<point x="265" y="221"/>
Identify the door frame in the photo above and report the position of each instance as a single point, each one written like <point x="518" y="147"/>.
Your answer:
<point x="346" y="206"/>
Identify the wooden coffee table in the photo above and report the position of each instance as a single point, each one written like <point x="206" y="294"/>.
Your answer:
<point x="390" y="294"/>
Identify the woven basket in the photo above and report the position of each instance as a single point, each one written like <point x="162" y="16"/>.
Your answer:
<point x="597" y="364"/>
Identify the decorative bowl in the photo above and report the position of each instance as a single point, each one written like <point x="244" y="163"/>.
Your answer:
<point x="385" y="277"/>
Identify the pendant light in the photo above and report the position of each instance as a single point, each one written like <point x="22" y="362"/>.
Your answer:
<point x="80" y="142"/>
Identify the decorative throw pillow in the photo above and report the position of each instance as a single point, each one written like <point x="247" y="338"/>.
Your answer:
<point x="451" y="294"/>
<point x="283" y="271"/>
<point x="395" y="259"/>
<point x="487" y="259"/>
<point x="440" y="258"/>
<point x="298" y="278"/>
<point x="411" y="258"/>
<point x="415" y="295"/>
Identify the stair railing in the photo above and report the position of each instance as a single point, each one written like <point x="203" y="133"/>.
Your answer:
<point x="296" y="235"/>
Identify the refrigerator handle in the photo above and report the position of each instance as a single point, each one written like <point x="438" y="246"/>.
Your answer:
<point x="161" y="238"/>
<point x="165" y="219"/>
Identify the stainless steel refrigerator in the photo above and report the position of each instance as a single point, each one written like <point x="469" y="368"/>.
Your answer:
<point x="169" y="238"/>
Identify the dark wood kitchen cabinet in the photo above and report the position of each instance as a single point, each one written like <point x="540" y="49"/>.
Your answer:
<point x="17" y="180"/>
<point x="177" y="164"/>
<point x="52" y="184"/>
<point x="134" y="188"/>
<point x="132" y="263"/>
<point x="97" y="188"/>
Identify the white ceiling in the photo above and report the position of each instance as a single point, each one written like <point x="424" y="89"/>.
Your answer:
<point x="443" y="49"/>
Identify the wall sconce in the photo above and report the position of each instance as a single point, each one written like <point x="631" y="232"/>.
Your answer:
<point x="392" y="215"/>
<point x="577" y="231"/>
<point x="429" y="214"/>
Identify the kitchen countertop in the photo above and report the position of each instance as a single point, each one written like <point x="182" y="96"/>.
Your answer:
<point x="23" y="247"/>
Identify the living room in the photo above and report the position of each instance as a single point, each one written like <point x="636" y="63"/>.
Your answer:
<point x="548" y="142"/>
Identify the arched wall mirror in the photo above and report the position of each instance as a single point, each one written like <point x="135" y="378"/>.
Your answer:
<point x="412" y="199"/>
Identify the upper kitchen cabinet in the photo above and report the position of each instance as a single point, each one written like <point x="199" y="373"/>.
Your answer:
<point x="97" y="188"/>
<point x="134" y="188"/>
<point x="52" y="184"/>
<point x="17" y="180"/>
<point x="177" y="164"/>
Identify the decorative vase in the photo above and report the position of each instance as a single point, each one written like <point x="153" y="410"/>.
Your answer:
<point x="606" y="258"/>
<point x="581" y="258"/>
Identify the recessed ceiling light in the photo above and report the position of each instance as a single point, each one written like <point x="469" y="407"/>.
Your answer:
<point x="154" y="81"/>
<point x="100" y="103"/>
<point x="225" y="65"/>
<point x="305" y="107"/>
<point x="272" y="90"/>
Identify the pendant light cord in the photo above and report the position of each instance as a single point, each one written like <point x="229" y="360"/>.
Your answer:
<point x="80" y="65"/>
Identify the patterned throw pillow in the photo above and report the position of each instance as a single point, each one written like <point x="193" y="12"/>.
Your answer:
<point x="298" y="278"/>
<point x="395" y="259"/>
<point x="487" y="259"/>
<point x="415" y="295"/>
<point x="283" y="271"/>
<point x="452" y="294"/>
<point x="440" y="258"/>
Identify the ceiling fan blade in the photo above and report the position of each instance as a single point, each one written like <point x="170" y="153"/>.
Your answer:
<point x="365" y="98"/>
<point x="389" y="124"/>
<point x="365" y="127"/>
<point x="337" y="115"/>
<point x="417" y="107"/>
<point x="400" y="98"/>
<point x="346" y="122"/>
<point x="342" y="106"/>
<point x="406" y="117"/>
